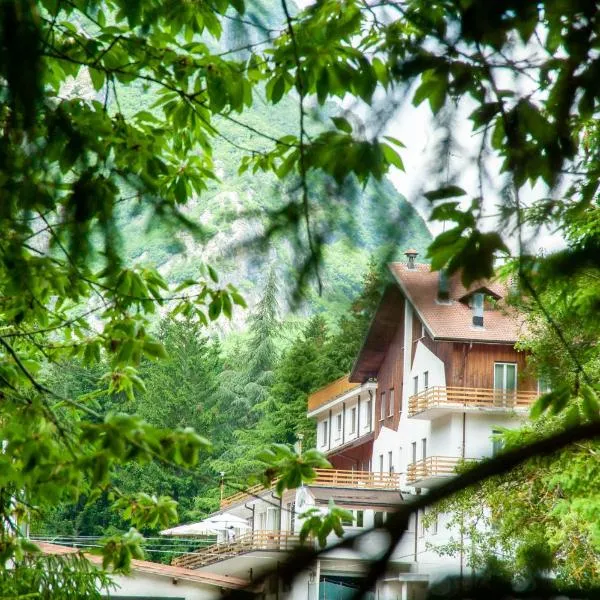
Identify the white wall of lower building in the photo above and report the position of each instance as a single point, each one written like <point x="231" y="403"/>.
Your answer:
<point x="346" y="419"/>
<point x="145" y="586"/>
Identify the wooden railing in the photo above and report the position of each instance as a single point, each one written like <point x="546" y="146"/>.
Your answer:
<point x="250" y="492"/>
<point x="330" y="391"/>
<point x="356" y="479"/>
<point x="433" y="466"/>
<point x="280" y="541"/>
<point x="434" y="397"/>
<point x="329" y="478"/>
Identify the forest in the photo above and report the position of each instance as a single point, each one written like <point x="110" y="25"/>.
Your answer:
<point x="243" y="397"/>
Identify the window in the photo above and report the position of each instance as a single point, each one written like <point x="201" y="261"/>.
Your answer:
<point x="339" y="426"/>
<point x="324" y="433"/>
<point x="348" y="522"/>
<point x="391" y="407"/>
<point x="497" y="443"/>
<point x="273" y="519"/>
<point x="505" y="376"/>
<point x="353" y="421"/>
<point x="369" y="415"/>
<point x="381" y="463"/>
<point x="382" y="407"/>
<point x="505" y="383"/>
<point x="434" y="524"/>
<point x="426" y="380"/>
<point x="414" y="452"/>
<point x="421" y="523"/>
<point x="291" y="507"/>
<point x="424" y="448"/>
<point x="415" y="385"/>
<point x="390" y="462"/>
<point x="477" y="304"/>
<point x="360" y="518"/>
<point x="543" y="385"/>
<point x="378" y="519"/>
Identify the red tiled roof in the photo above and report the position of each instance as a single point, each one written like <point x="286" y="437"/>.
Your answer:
<point x="152" y="568"/>
<point x="454" y="320"/>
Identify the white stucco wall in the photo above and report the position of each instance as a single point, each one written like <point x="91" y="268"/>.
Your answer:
<point x="426" y="361"/>
<point x="146" y="585"/>
<point x="343" y="407"/>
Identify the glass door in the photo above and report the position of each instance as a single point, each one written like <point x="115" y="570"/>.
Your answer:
<point x="505" y="384"/>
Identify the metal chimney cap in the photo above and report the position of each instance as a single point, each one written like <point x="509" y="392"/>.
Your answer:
<point x="410" y="256"/>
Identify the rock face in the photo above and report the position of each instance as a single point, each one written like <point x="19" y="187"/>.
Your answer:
<point x="355" y="222"/>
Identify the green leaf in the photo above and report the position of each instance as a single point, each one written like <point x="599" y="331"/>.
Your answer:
<point x="342" y="124"/>
<point x="590" y="404"/>
<point x="392" y="156"/>
<point x="448" y="191"/>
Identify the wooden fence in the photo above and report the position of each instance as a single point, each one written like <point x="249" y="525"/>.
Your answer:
<point x="328" y="478"/>
<point x="257" y="540"/>
<point x="464" y="397"/>
<point x="433" y="466"/>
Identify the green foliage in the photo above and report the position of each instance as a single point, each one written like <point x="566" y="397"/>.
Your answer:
<point x="39" y="576"/>
<point x="321" y="525"/>
<point x="69" y="161"/>
<point x="546" y="526"/>
<point x="289" y="468"/>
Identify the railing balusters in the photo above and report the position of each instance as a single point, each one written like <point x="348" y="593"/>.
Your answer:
<point x="437" y="396"/>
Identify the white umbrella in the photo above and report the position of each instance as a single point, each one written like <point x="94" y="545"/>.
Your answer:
<point x="226" y="520"/>
<point x="210" y="526"/>
<point x="200" y="528"/>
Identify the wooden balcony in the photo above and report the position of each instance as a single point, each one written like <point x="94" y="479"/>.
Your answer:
<point x="274" y="541"/>
<point x="433" y="469"/>
<point x="437" y="401"/>
<point x="356" y="479"/>
<point x="331" y="391"/>
<point x="238" y="497"/>
<point x="328" y="478"/>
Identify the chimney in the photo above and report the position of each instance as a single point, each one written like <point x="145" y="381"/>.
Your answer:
<point x="410" y="258"/>
<point x="443" y="294"/>
<point x="477" y="309"/>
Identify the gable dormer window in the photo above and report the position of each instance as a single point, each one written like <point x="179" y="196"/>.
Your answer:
<point x="477" y="306"/>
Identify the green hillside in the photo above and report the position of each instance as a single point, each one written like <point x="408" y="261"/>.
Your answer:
<point x="234" y="210"/>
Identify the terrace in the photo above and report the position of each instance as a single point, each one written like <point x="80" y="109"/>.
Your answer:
<point x="438" y="401"/>
<point x="333" y="478"/>
<point x="433" y="469"/>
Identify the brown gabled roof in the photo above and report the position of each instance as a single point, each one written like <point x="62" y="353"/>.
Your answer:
<point x="451" y="320"/>
<point x="144" y="566"/>
<point x="388" y="316"/>
<point x="454" y="320"/>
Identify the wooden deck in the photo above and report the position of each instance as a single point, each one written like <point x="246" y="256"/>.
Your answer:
<point x="463" y="397"/>
<point x="274" y="541"/>
<point x="433" y="467"/>
<point x="328" y="478"/>
<point x="330" y="392"/>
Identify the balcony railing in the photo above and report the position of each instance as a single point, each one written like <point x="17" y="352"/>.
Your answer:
<point x="356" y="479"/>
<point x="433" y="467"/>
<point x="276" y="541"/>
<point x="329" y="478"/>
<point x="463" y="397"/>
<point x="330" y="392"/>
